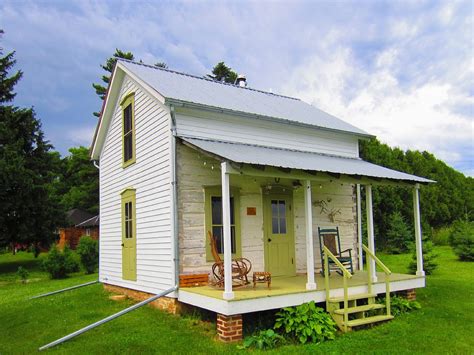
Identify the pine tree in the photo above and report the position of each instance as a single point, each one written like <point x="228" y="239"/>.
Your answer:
<point x="429" y="258"/>
<point x="398" y="237"/>
<point x="28" y="214"/>
<point x="222" y="72"/>
<point x="109" y="68"/>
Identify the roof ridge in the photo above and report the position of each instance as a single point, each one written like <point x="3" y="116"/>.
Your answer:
<point x="269" y="147"/>
<point x="206" y="79"/>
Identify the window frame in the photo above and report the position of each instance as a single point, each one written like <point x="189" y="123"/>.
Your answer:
<point x="129" y="99"/>
<point x="129" y="195"/>
<point x="216" y="191"/>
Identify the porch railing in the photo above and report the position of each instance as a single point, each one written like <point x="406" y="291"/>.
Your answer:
<point x="346" y="275"/>
<point x="387" y="272"/>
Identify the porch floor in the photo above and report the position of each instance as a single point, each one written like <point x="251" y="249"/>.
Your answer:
<point x="285" y="285"/>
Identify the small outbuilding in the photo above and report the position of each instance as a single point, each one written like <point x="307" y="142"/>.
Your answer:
<point x="183" y="157"/>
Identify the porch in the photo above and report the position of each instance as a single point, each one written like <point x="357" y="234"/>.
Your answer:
<point x="291" y="291"/>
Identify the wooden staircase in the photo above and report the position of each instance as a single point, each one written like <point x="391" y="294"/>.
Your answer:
<point x="358" y="307"/>
<point x="351" y="311"/>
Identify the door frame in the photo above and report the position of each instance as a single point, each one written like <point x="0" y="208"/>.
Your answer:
<point x="282" y="193"/>
<point x="130" y="272"/>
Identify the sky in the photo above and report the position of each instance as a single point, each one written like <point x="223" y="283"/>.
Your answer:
<point x="401" y="70"/>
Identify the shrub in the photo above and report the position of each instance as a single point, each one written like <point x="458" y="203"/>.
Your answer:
<point x="88" y="250"/>
<point x="461" y="240"/>
<point x="429" y="258"/>
<point x="306" y="322"/>
<point x="263" y="340"/>
<point x="441" y="236"/>
<point x="399" y="238"/>
<point x="22" y="273"/>
<point x="60" y="264"/>
<point x="400" y="305"/>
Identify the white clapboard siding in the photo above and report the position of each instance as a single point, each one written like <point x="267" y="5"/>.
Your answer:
<point x="151" y="178"/>
<point x="256" y="131"/>
<point x="195" y="172"/>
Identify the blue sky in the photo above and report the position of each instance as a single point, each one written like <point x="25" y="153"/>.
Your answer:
<point x="402" y="70"/>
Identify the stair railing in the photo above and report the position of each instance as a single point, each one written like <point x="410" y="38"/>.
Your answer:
<point x="346" y="275"/>
<point x="387" y="272"/>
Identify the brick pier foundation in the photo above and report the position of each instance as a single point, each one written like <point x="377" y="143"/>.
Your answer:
<point x="408" y="294"/>
<point x="229" y="328"/>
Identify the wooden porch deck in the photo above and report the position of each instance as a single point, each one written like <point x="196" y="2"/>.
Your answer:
<point x="294" y="284"/>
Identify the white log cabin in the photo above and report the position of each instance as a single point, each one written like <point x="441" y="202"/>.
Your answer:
<point x="181" y="156"/>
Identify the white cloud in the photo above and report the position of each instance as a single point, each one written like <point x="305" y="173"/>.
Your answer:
<point x="403" y="71"/>
<point x="413" y="117"/>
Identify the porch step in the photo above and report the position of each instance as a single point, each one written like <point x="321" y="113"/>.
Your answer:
<point x="352" y="297"/>
<point x="365" y="308"/>
<point x="368" y="320"/>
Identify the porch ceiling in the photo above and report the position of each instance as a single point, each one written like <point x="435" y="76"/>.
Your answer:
<point x="306" y="161"/>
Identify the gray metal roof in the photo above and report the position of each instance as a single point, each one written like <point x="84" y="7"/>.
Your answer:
<point x="176" y="86"/>
<point x="251" y="154"/>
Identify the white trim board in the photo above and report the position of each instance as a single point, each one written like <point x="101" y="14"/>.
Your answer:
<point x="274" y="302"/>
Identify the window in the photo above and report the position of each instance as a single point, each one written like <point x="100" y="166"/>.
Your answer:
<point x="88" y="232"/>
<point x="278" y="217"/>
<point x="128" y="214"/>
<point x="128" y="130"/>
<point x="214" y="221"/>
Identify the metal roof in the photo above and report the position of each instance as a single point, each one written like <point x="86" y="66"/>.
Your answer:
<point x="176" y="86"/>
<point x="260" y="155"/>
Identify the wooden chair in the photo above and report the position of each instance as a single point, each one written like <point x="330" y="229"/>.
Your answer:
<point x="329" y="237"/>
<point x="240" y="267"/>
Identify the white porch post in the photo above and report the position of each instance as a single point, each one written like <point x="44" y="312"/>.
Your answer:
<point x="417" y="221"/>
<point x="370" y="229"/>
<point x="359" y="228"/>
<point x="228" y="293"/>
<point x="311" y="284"/>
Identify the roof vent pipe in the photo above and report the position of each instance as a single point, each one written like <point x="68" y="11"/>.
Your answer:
<point x="241" y="80"/>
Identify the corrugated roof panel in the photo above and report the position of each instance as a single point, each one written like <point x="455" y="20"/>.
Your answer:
<point x="201" y="91"/>
<point x="250" y="154"/>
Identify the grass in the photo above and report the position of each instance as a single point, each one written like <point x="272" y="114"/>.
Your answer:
<point x="443" y="325"/>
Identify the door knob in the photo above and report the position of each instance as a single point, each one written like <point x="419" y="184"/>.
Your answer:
<point x="123" y="244"/>
<point x="269" y="240"/>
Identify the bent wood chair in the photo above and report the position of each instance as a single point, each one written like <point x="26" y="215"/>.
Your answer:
<point x="329" y="237"/>
<point x="240" y="267"/>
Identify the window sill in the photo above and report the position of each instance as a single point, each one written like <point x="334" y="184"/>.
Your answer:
<point x="128" y="163"/>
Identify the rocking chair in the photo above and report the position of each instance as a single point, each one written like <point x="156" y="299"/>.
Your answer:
<point x="240" y="267"/>
<point x="329" y="237"/>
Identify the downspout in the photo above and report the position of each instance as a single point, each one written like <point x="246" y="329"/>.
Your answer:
<point x="97" y="165"/>
<point x="174" y="196"/>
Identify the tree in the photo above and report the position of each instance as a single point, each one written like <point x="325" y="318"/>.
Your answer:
<point x="441" y="203"/>
<point x="222" y="72"/>
<point x="78" y="185"/>
<point x="109" y="68"/>
<point x="28" y="213"/>
<point x="161" y="65"/>
<point x="399" y="237"/>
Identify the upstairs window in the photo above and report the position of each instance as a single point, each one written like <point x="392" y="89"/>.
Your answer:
<point x="128" y="130"/>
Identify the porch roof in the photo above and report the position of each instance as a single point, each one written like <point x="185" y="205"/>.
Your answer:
<point x="292" y="159"/>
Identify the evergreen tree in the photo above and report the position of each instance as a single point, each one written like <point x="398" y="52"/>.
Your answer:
<point x="429" y="258"/>
<point x="399" y="238"/>
<point x="78" y="185"/>
<point x="109" y="68"/>
<point x="441" y="203"/>
<point x="28" y="214"/>
<point x="161" y="65"/>
<point x="222" y="72"/>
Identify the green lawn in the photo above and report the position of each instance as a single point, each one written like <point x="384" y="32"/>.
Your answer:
<point x="443" y="325"/>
